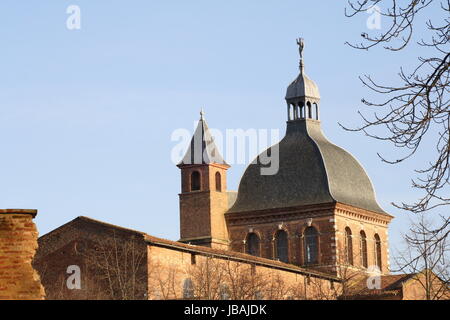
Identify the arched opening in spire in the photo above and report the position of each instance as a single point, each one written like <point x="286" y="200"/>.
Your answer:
<point x="309" y="111"/>
<point x="195" y="181"/>
<point x="218" y="181"/>
<point x="316" y="109"/>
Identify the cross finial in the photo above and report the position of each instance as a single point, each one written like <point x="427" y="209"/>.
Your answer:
<point x="202" y="113"/>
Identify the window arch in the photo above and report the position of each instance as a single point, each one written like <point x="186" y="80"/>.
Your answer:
<point x="253" y="244"/>
<point x="348" y="246"/>
<point x="188" y="289"/>
<point x="301" y="110"/>
<point x="281" y="246"/>
<point x="218" y="181"/>
<point x="309" y="111"/>
<point x="311" y="245"/>
<point x="289" y="111"/>
<point x="195" y="181"/>
<point x="363" y="249"/>
<point x="377" y="251"/>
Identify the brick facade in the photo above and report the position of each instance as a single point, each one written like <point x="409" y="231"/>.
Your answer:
<point x="164" y="267"/>
<point x="18" y="244"/>
<point x="330" y="220"/>
<point x="202" y="211"/>
<point x="95" y="248"/>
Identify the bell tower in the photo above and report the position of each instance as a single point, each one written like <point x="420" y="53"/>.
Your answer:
<point x="302" y="96"/>
<point x="203" y="197"/>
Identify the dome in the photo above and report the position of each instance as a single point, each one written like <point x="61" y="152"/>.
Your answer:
<point x="312" y="170"/>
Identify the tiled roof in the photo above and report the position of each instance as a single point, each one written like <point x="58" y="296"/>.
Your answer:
<point x="389" y="285"/>
<point x="225" y="254"/>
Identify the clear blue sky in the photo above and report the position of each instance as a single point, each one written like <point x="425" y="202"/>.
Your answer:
<point x="87" y="115"/>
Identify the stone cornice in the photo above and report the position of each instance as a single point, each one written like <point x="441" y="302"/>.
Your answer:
<point x="277" y="214"/>
<point x="298" y="212"/>
<point x="32" y="212"/>
<point x="344" y="210"/>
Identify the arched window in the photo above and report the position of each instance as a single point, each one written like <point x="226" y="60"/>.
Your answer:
<point x="363" y="249"/>
<point x="252" y="244"/>
<point x="218" y="182"/>
<point x="348" y="246"/>
<point x="311" y="245"/>
<point x="377" y="251"/>
<point x="195" y="181"/>
<point x="224" y="292"/>
<point x="188" y="289"/>
<point x="281" y="246"/>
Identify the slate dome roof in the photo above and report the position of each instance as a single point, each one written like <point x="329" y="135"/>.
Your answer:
<point x="312" y="170"/>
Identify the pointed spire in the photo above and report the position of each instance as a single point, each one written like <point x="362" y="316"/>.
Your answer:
<point x="202" y="149"/>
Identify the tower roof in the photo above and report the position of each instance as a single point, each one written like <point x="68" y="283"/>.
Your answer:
<point x="312" y="170"/>
<point x="202" y="149"/>
<point x="302" y="87"/>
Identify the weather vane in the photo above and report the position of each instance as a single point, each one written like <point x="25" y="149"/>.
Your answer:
<point x="301" y="45"/>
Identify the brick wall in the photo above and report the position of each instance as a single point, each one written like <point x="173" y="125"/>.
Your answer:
<point x="85" y="243"/>
<point x="169" y="269"/>
<point x="330" y="221"/>
<point x="202" y="220"/>
<point x="370" y="227"/>
<point x="18" y="244"/>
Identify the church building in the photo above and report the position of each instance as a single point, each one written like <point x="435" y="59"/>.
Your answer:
<point x="318" y="211"/>
<point x="296" y="233"/>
